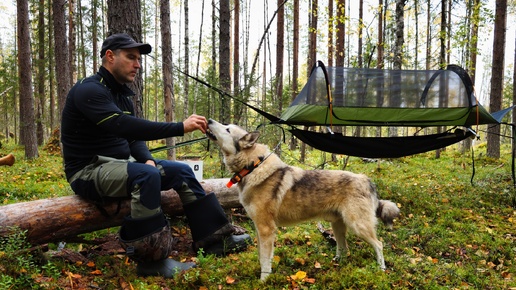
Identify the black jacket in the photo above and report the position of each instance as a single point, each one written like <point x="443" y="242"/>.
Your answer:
<point x="98" y="119"/>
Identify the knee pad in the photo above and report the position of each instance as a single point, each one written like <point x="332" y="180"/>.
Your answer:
<point x="148" y="239"/>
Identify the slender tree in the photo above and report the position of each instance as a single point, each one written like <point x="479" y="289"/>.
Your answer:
<point x="399" y="32"/>
<point x="295" y="60"/>
<point x="237" y="115"/>
<point x="168" y="81"/>
<point x="295" y="52"/>
<point x="95" y="33"/>
<point x="224" y="57"/>
<point x="473" y="43"/>
<point x="331" y="46"/>
<point x="497" y="76"/>
<point x="72" y="45"/>
<point x="61" y="52"/>
<point x="395" y="99"/>
<point x="341" y="33"/>
<point x="40" y="82"/>
<point x="81" y="39"/>
<point x="380" y="45"/>
<point x="471" y="52"/>
<point x="186" y="68"/>
<point x="428" y="56"/>
<point x="380" y="59"/>
<point x="280" y="43"/>
<point x="442" y="36"/>
<point x="51" y="70"/>
<point x="360" y="36"/>
<point x="212" y="110"/>
<point x="27" y="119"/>
<point x="416" y="38"/>
<point x="312" y="34"/>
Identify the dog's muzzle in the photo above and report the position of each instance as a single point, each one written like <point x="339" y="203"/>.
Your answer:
<point x="210" y="135"/>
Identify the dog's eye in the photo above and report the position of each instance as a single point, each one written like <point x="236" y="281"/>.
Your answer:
<point x="227" y="129"/>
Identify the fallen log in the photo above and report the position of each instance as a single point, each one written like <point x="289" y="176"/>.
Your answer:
<point x="63" y="218"/>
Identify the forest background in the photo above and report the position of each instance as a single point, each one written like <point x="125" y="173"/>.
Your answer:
<point x="451" y="234"/>
<point x="259" y="51"/>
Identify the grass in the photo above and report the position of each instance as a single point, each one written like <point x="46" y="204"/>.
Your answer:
<point x="451" y="234"/>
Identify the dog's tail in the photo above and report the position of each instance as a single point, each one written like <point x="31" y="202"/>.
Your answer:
<point x="387" y="211"/>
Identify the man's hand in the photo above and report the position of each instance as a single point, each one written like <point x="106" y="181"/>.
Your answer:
<point x="151" y="163"/>
<point x="195" y="122"/>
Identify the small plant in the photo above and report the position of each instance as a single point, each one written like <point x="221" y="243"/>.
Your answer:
<point x="17" y="263"/>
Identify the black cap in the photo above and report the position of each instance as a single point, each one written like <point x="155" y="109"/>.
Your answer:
<point x="123" y="40"/>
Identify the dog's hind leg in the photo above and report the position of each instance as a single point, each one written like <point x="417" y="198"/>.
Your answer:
<point x="339" y="231"/>
<point x="365" y="229"/>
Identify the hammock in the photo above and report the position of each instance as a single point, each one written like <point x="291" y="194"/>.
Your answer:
<point x="337" y="96"/>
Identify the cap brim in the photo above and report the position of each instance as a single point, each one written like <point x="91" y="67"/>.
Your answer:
<point x="144" y="48"/>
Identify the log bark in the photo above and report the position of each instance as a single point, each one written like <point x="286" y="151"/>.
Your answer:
<point x="63" y="218"/>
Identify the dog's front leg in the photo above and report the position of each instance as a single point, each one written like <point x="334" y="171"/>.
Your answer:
<point x="266" y="237"/>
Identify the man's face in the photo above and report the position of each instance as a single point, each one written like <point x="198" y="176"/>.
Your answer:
<point x="124" y="64"/>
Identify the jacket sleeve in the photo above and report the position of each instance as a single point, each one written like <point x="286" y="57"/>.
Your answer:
<point x="96" y="104"/>
<point x="140" y="151"/>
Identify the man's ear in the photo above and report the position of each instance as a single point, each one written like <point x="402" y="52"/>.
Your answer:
<point x="249" y="139"/>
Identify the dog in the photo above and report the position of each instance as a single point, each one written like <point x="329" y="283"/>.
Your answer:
<point x="275" y="194"/>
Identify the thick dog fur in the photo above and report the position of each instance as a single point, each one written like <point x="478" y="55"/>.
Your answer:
<point x="275" y="194"/>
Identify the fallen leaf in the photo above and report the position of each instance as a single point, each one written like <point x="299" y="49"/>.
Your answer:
<point x="300" y="261"/>
<point x="317" y="265"/>
<point x="91" y="264"/>
<point x="276" y="259"/>
<point x="309" y="280"/>
<point x="230" y="280"/>
<point x="96" y="272"/>
<point x="72" y="275"/>
<point x="300" y="275"/>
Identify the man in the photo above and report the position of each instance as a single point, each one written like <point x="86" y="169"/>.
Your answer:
<point x="100" y="135"/>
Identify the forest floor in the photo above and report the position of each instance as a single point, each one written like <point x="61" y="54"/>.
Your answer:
<point x="452" y="233"/>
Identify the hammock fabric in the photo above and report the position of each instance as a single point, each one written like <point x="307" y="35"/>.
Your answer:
<point x="379" y="147"/>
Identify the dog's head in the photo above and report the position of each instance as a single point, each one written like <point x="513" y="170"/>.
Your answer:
<point x="231" y="138"/>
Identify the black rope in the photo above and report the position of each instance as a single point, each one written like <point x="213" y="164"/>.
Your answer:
<point x="162" y="148"/>
<point x="472" y="165"/>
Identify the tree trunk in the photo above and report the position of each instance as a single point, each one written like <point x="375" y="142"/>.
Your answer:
<point x="27" y="117"/>
<point x="295" y="61"/>
<point x="224" y="58"/>
<point x="331" y="21"/>
<point x="472" y="52"/>
<point x="40" y="74"/>
<point x="72" y="46"/>
<point x="168" y="80"/>
<point x="497" y="74"/>
<point x="428" y="56"/>
<point x="186" y="69"/>
<point x="62" y="218"/>
<point x="237" y="111"/>
<point x="280" y="43"/>
<point x="125" y="16"/>
<point x="61" y="53"/>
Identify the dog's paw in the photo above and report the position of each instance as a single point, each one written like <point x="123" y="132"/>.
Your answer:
<point x="264" y="275"/>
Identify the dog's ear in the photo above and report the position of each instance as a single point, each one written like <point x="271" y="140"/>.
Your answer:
<point x="249" y="139"/>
